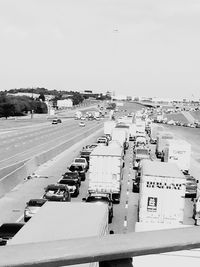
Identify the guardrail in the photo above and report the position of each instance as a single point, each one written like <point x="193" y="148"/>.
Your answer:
<point x="17" y="176"/>
<point x="95" y="249"/>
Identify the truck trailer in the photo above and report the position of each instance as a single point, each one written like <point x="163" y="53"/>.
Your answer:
<point x="162" y="193"/>
<point x="162" y="140"/>
<point x="105" y="172"/>
<point x="120" y="135"/>
<point x="154" y="131"/>
<point x="179" y="152"/>
<point x="62" y="221"/>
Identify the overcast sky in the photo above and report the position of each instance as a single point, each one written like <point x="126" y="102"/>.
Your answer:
<point x="132" y="47"/>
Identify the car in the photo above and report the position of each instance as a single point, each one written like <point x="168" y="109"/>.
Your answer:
<point x="57" y="192"/>
<point x="82" y="162"/>
<point x="72" y="184"/>
<point x="85" y="153"/>
<point x="8" y="231"/>
<point x="32" y="207"/>
<point x="101" y="198"/>
<point x="78" y="168"/>
<point x="102" y="140"/>
<point x="191" y="186"/>
<point x="83" y="118"/>
<point x="72" y="175"/>
<point x="82" y="124"/>
<point x="56" y="121"/>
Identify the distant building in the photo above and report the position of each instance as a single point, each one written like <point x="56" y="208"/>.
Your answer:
<point x="129" y="98"/>
<point x="65" y="103"/>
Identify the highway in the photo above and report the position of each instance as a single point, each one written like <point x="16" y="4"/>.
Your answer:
<point x="125" y="214"/>
<point x="22" y="144"/>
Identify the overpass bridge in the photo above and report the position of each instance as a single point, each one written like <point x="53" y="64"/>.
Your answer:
<point x="112" y="250"/>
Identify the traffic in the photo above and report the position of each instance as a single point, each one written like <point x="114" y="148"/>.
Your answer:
<point x="121" y="169"/>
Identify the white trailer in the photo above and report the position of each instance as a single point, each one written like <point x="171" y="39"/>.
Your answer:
<point x="179" y="152"/>
<point x="162" y="193"/>
<point x="162" y="140"/>
<point x="105" y="171"/>
<point x="132" y="132"/>
<point x="61" y="221"/>
<point x="155" y="130"/>
<point x="108" y="127"/>
<point x="78" y="115"/>
<point x="140" y="127"/>
<point x="120" y="135"/>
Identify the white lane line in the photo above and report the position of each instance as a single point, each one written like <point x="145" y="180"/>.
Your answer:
<point x="126" y="206"/>
<point x="20" y="218"/>
<point x="125" y="222"/>
<point x="127" y="192"/>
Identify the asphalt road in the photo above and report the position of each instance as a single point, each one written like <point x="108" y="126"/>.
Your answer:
<point x="21" y="144"/>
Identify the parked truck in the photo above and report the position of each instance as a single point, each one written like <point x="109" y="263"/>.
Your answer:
<point x="162" y="139"/>
<point x="179" y="152"/>
<point x="140" y="153"/>
<point x="105" y="172"/>
<point x="162" y="193"/>
<point x="61" y="221"/>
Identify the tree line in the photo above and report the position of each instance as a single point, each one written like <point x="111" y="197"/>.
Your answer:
<point x="20" y="105"/>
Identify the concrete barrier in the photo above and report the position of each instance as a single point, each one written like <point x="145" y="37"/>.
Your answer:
<point x="17" y="176"/>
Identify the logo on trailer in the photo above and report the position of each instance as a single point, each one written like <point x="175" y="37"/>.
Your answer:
<point x="152" y="204"/>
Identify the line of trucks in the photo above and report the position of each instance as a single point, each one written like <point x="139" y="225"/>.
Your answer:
<point x="162" y="183"/>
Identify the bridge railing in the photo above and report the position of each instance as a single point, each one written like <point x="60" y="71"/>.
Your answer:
<point x="119" y="247"/>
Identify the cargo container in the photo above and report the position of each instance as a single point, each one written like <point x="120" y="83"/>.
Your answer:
<point x="132" y="132"/>
<point x="162" y="193"/>
<point x="140" y="126"/>
<point x="155" y="130"/>
<point x="108" y="127"/>
<point x="120" y="135"/>
<point x="162" y="139"/>
<point x="62" y="221"/>
<point x="105" y="172"/>
<point x="179" y="152"/>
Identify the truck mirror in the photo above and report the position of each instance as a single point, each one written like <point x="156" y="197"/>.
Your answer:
<point x="83" y="199"/>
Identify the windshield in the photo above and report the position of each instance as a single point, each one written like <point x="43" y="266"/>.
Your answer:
<point x="76" y="168"/>
<point x="97" y="199"/>
<point x="142" y="151"/>
<point x="80" y="160"/>
<point x="70" y="174"/>
<point x="67" y="181"/>
<point x="36" y="203"/>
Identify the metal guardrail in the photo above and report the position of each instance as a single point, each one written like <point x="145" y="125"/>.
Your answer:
<point x="119" y="247"/>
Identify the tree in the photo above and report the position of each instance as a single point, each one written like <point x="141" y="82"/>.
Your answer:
<point x="42" y="97"/>
<point x="7" y="110"/>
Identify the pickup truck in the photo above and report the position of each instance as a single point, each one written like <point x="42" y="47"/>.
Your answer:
<point x="81" y="162"/>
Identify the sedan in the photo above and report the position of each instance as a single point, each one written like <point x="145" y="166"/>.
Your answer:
<point x="82" y="124"/>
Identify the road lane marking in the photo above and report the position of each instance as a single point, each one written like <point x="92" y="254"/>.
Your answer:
<point x="125" y="221"/>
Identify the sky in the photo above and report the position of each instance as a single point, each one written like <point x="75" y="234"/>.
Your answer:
<point x="131" y="47"/>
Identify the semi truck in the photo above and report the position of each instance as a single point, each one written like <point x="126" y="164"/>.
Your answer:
<point x="154" y="131"/>
<point x="120" y="135"/>
<point x="105" y="171"/>
<point x="162" y="193"/>
<point x="140" y="153"/>
<point x="140" y="127"/>
<point x="179" y="152"/>
<point x="162" y="140"/>
<point x="78" y="115"/>
<point x="62" y="221"/>
<point x="108" y="127"/>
